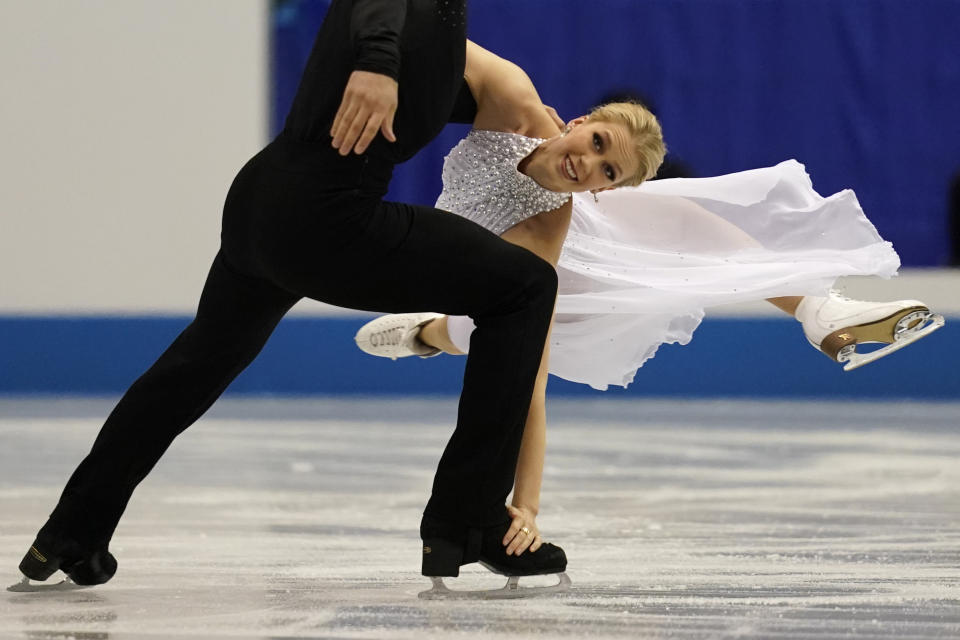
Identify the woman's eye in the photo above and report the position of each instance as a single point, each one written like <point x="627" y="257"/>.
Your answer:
<point x="597" y="142"/>
<point x="608" y="170"/>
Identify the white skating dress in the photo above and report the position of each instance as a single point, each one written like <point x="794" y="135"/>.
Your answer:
<point x="640" y="266"/>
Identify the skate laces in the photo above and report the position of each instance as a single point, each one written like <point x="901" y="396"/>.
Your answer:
<point x="839" y="296"/>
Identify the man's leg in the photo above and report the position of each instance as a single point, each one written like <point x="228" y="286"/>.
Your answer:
<point x="235" y="317"/>
<point x="400" y="258"/>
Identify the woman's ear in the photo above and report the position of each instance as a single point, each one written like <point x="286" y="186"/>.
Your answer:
<point x="610" y="188"/>
<point x="577" y="121"/>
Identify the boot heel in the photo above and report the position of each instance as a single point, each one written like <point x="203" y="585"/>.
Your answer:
<point x="37" y="566"/>
<point x="441" y="558"/>
<point x="834" y="343"/>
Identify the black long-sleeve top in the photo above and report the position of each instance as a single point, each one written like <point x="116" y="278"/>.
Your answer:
<point x="419" y="43"/>
<point x="375" y="30"/>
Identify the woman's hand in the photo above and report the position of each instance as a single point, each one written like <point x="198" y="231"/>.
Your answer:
<point x="368" y="106"/>
<point x="523" y="533"/>
<point x="552" y="113"/>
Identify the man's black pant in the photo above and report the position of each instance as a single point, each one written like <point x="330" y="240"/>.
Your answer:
<point x="285" y="238"/>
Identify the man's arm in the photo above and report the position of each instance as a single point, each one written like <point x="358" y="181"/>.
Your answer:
<point x="370" y="97"/>
<point x="375" y="28"/>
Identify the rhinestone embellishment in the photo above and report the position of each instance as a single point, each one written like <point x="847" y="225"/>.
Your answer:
<point x="481" y="181"/>
<point x="452" y="12"/>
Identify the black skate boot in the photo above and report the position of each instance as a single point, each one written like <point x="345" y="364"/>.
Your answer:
<point x="549" y="558"/>
<point x="50" y="553"/>
<point x="447" y="547"/>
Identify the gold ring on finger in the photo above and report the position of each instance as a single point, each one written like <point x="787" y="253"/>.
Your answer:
<point x="525" y="530"/>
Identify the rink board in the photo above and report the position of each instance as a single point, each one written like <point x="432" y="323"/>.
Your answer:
<point x="731" y="357"/>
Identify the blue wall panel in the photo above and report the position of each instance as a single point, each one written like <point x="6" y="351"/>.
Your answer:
<point x="864" y="92"/>
<point x="727" y="358"/>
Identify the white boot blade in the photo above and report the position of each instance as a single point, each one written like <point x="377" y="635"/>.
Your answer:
<point x="32" y="586"/>
<point x="512" y="589"/>
<point x="857" y="360"/>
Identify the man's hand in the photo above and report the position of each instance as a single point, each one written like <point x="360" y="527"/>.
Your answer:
<point x="369" y="104"/>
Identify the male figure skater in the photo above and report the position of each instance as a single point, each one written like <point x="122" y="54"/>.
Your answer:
<point x="305" y="218"/>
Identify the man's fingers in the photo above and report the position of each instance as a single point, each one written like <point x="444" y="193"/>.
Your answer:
<point x="356" y="130"/>
<point x="537" y="542"/>
<point x="335" y="128"/>
<point x="369" y="131"/>
<point x="354" y="127"/>
<point x="341" y="126"/>
<point x="368" y="106"/>
<point x="387" y="127"/>
<point x="347" y="108"/>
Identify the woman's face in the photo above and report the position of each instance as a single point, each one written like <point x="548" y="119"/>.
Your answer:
<point x="591" y="156"/>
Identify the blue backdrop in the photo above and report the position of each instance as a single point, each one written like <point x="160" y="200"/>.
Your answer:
<point x="727" y="358"/>
<point x="866" y="93"/>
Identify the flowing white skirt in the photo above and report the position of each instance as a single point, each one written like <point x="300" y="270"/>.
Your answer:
<point x="640" y="266"/>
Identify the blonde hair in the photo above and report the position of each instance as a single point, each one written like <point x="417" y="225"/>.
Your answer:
<point x="645" y="131"/>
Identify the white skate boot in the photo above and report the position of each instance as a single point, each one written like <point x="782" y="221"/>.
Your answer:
<point x="395" y="336"/>
<point x="836" y="325"/>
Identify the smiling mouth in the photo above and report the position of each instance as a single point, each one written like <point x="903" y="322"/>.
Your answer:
<point x="567" y="168"/>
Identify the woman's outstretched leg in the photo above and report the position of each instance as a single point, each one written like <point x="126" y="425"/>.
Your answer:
<point x="235" y="317"/>
<point x="837" y="326"/>
<point x="400" y="335"/>
<point x="445" y="333"/>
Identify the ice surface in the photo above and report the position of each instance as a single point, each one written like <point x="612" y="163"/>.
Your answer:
<point x="687" y="520"/>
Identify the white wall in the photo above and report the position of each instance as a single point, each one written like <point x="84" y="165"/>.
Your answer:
<point x="122" y="123"/>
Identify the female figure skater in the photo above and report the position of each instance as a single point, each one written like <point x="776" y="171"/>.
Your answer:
<point x="638" y="266"/>
<point x="305" y="218"/>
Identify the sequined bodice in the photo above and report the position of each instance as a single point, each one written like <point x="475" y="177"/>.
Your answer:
<point x="481" y="181"/>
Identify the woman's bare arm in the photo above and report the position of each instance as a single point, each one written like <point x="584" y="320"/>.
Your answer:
<point x="508" y="101"/>
<point x="506" y="98"/>
<point x="542" y="234"/>
<point x="529" y="474"/>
